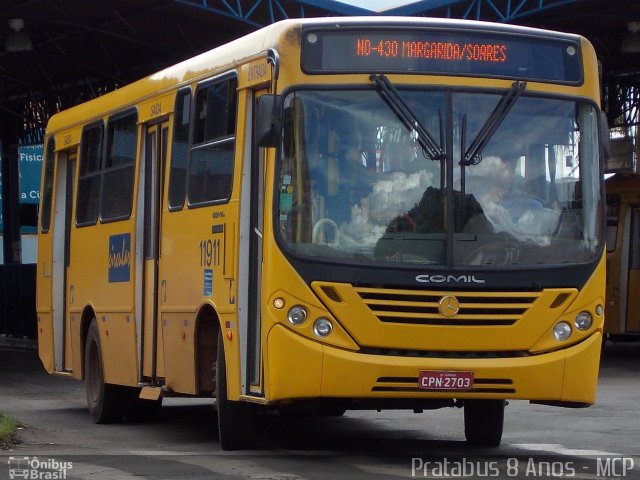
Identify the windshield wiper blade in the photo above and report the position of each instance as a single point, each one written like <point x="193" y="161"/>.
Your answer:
<point x="392" y="97"/>
<point x="508" y="100"/>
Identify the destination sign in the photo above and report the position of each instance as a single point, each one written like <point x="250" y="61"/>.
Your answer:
<point x="442" y="52"/>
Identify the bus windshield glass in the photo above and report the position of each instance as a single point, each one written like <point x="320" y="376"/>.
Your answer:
<point x="355" y="184"/>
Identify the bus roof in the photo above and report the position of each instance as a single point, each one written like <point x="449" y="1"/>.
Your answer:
<point x="242" y="49"/>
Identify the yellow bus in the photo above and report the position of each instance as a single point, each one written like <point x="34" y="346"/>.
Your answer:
<point x="622" y="310"/>
<point x="333" y="214"/>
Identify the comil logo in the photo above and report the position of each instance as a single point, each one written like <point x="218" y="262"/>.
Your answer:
<point x="448" y="279"/>
<point x="120" y="258"/>
<point x="37" y="469"/>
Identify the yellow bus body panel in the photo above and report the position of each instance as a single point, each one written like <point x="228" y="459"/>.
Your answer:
<point x="540" y="368"/>
<point x="295" y="364"/>
<point x="320" y="371"/>
<point x="113" y="303"/>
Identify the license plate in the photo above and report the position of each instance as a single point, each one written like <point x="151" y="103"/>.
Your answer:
<point x="445" y="380"/>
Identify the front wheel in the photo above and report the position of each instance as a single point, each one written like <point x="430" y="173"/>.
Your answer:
<point x="106" y="402"/>
<point x="236" y="420"/>
<point x="484" y="422"/>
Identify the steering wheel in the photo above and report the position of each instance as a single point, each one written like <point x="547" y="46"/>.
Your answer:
<point x="319" y="234"/>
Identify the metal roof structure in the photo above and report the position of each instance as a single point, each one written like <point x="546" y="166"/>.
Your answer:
<point x="57" y="53"/>
<point x="78" y="50"/>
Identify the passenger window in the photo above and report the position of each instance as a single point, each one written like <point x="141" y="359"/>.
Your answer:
<point x="47" y="192"/>
<point x="211" y="161"/>
<point x="179" y="150"/>
<point x="215" y="111"/>
<point x="90" y="173"/>
<point x="119" y="170"/>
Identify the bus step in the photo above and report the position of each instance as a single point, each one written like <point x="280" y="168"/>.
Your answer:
<point x="150" y="393"/>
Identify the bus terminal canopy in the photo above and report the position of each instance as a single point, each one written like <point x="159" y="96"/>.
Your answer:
<point x="54" y="55"/>
<point x="58" y="54"/>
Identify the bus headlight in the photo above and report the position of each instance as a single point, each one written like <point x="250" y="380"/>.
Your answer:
<point x="583" y="321"/>
<point x="297" y="315"/>
<point x="562" y="331"/>
<point x="322" y="327"/>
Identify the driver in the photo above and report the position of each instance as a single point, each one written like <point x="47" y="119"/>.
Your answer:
<point x="506" y="206"/>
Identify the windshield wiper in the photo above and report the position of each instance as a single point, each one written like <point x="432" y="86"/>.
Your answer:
<point x="392" y="97"/>
<point x="508" y="100"/>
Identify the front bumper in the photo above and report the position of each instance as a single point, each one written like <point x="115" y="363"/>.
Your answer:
<point x="299" y="368"/>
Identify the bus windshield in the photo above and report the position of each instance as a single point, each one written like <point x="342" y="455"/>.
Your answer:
<point x="356" y="183"/>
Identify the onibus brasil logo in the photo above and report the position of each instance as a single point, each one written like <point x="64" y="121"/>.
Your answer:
<point x="35" y="469"/>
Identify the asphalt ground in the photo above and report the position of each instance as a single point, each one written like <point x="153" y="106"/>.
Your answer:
<point x="602" y="441"/>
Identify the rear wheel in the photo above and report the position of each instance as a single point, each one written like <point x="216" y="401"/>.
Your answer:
<point x="484" y="422"/>
<point x="105" y="402"/>
<point x="236" y="420"/>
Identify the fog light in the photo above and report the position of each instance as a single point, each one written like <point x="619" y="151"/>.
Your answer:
<point x="322" y="327"/>
<point x="599" y="310"/>
<point x="297" y="315"/>
<point x="278" y="303"/>
<point x="562" y="331"/>
<point x="583" y="321"/>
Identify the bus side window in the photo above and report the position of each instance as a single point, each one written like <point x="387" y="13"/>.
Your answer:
<point x="90" y="174"/>
<point x="47" y="194"/>
<point x="119" y="169"/>
<point x="210" y="171"/>
<point x="180" y="150"/>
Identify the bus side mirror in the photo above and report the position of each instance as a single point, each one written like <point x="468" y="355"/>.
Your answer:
<point x="269" y="113"/>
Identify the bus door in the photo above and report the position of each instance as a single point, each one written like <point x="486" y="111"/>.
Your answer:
<point x="61" y="293"/>
<point x="250" y="258"/>
<point x="147" y="229"/>
<point x="630" y="300"/>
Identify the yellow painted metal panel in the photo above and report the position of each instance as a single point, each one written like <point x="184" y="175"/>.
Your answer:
<point x="68" y="138"/>
<point x="77" y="344"/>
<point x="255" y="73"/>
<point x="45" y="341"/>
<point x="179" y="353"/>
<point x="119" y="351"/>
<point x="581" y="371"/>
<point x="43" y="303"/>
<point x="565" y="375"/>
<point x="150" y="393"/>
<point x="156" y="107"/>
<point x="294" y="366"/>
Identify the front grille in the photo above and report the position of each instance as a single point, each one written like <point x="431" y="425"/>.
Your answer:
<point x="467" y="355"/>
<point x="422" y="308"/>
<point x="410" y="384"/>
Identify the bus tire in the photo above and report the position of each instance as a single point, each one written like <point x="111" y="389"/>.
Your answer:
<point x="236" y="420"/>
<point x="484" y="422"/>
<point x="105" y="401"/>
